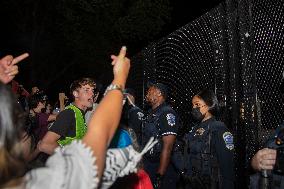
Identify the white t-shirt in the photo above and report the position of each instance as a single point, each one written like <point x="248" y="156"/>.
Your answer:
<point x="89" y="113"/>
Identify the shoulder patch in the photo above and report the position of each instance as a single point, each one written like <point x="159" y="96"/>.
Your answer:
<point x="140" y="115"/>
<point x="171" y="119"/>
<point x="229" y="140"/>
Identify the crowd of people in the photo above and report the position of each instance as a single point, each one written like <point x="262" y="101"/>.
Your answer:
<point x="113" y="143"/>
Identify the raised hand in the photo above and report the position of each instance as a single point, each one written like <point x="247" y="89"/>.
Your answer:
<point x="121" y="66"/>
<point x="62" y="96"/>
<point x="9" y="68"/>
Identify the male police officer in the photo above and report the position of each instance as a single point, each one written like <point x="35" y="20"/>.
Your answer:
<point x="270" y="162"/>
<point x="162" y="123"/>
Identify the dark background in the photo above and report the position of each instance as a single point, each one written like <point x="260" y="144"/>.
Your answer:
<point x="236" y="50"/>
<point x="71" y="39"/>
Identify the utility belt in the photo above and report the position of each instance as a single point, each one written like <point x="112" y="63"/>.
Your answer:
<point x="157" y="149"/>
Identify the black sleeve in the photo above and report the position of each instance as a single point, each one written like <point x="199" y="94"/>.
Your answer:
<point x="63" y="122"/>
<point x="135" y="116"/>
<point x="224" y="146"/>
<point x="168" y="124"/>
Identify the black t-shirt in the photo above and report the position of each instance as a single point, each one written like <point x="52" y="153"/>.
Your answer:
<point x="65" y="124"/>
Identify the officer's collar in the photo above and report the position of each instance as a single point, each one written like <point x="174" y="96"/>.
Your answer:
<point x="207" y="121"/>
<point x="158" y="108"/>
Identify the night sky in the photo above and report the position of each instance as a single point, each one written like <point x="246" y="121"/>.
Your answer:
<point x="70" y="40"/>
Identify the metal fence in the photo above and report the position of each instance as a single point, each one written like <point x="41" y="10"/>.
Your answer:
<point x="237" y="50"/>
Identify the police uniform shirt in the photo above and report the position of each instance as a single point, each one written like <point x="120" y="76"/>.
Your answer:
<point x="168" y="123"/>
<point x="161" y="121"/>
<point x="221" y="143"/>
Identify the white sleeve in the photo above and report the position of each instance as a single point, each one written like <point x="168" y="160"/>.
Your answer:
<point x="121" y="162"/>
<point x="71" y="167"/>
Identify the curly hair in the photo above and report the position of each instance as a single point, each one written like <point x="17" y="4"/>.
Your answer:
<point x="81" y="82"/>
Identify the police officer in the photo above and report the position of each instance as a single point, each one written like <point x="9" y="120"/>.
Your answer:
<point x="162" y="123"/>
<point x="210" y="146"/>
<point x="269" y="162"/>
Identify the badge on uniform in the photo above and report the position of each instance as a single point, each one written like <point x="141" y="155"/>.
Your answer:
<point x="199" y="132"/>
<point x="229" y="140"/>
<point x="171" y="119"/>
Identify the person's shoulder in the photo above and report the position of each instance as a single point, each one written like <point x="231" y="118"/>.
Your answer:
<point x="66" y="112"/>
<point x="43" y="114"/>
<point x="135" y="109"/>
<point x="167" y="109"/>
<point x="219" y="126"/>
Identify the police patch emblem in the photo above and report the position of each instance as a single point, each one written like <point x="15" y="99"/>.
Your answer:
<point x="140" y="115"/>
<point x="171" y="119"/>
<point x="229" y="140"/>
<point x="199" y="132"/>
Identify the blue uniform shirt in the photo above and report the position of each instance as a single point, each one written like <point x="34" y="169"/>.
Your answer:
<point x="211" y="146"/>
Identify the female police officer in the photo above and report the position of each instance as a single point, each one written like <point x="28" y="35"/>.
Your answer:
<point x="210" y="146"/>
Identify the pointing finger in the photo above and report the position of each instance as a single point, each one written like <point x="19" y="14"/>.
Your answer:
<point x="19" y="58"/>
<point x="122" y="52"/>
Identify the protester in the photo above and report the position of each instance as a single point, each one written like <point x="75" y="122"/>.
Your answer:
<point x="80" y="164"/>
<point x="70" y="123"/>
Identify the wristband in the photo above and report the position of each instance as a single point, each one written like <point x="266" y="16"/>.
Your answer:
<point x="113" y="87"/>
